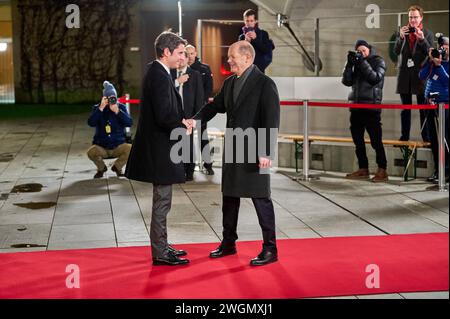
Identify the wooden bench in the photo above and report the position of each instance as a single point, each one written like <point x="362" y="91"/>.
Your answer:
<point x="408" y="148"/>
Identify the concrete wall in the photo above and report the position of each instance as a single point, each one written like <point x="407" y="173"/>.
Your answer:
<point x="337" y="35"/>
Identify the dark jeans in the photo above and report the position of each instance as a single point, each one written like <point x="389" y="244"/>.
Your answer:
<point x="360" y="121"/>
<point x="406" y="117"/>
<point x="266" y="217"/>
<point x="433" y="129"/>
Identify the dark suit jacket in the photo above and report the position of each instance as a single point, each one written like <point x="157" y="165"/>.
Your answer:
<point x="257" y="106"/>
<point x="408" y="81"/>
<point x="160" y="113"/>
<point x="207" y="77"/>
<point x="193" y="98"/>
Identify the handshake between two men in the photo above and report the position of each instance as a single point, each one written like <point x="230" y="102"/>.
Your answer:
<point x="190" y="125"/>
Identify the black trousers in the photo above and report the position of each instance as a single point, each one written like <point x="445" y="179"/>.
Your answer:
<point x="266" y="217"/>
<point x="360" y="121"/>
<point x="433" y="129"/>
<point x="189" y="163"/>
<point x="406" y="117"/>
<point x="206" y="152"/>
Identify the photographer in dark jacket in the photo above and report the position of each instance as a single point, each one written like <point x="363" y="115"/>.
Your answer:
<point x="110" y="119"/>
<point x="259" y="39"/>
<point x="364" y="72"/>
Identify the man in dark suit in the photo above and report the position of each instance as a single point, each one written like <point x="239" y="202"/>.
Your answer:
<point x="150" y="160"/>
<point x="412" y="45"/>
<point x="188" y="83"/>
<point x="251" y="102"/>
<point x="207" y="79"/>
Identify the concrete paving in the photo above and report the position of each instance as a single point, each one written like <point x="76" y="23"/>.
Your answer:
<point x="81" y="212"/>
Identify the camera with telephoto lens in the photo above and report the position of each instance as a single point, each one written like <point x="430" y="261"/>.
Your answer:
<point x="355" y="56"/>
<point x="440" y="52"/>
<point x="112" y="100"/>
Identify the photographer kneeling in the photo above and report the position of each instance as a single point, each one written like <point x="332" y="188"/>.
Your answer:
<point x="364" y="72"/>
<point x="110" y="119"/>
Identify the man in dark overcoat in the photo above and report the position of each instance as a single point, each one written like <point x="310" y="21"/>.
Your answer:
<point x="150" y="159"/>
<point x="251" y="101"/>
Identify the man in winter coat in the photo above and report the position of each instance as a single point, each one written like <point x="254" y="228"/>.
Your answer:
<point x="364" y="73"/>
<point x="251" y="102"/>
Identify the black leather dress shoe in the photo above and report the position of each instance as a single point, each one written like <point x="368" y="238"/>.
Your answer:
<point x="176" y="252"/>
<point x="264" y="258"/>
<point x="223" y="251"/>
<point x="170" y="260"/>
<point x="208" y="170"/>
<point x="189" y="176"/>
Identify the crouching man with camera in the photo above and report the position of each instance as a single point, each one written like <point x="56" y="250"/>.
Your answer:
<point x="364" y="72"/>
<point x="110" y="119"/>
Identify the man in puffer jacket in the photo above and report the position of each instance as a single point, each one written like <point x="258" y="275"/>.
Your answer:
<point x="435" y="72"/>
<point x="364" y="72"/>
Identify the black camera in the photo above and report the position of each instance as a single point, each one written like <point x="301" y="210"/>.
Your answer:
<point x="440" y="52"/>
<point x="355" y="56"/>
<point x="249" y="29"/>
<point x="412" y="30"/>
<point x="112" y="100"/>
<point x="437" y="53"/>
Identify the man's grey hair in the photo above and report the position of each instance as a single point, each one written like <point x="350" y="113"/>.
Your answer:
<point x="167" y="40"/>
<point x="246" y="48"/>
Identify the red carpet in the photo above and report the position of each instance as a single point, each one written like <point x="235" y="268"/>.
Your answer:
<point x="307" y="268"/>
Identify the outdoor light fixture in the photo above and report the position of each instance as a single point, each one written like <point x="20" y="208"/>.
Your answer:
<point x="3" y="46"/>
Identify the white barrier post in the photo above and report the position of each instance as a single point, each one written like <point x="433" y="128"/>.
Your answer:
<point x="442" y="186"/>
<point x="306" y="151"/>
<point x="127" y="105"/>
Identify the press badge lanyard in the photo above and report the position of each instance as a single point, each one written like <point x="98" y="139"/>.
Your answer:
<point x="108" y="127"/>
<point x="410" y="62"/>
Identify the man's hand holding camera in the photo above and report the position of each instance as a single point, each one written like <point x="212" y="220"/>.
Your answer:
<point x="112" y="102"/>
<point x="354" y="58"/>
<point x="103" y="103"/>
<point x="436" y="60"/>
<point x="250" y="35"/>
<point x="407" y="30"/>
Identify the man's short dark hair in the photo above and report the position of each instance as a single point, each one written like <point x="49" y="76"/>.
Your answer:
<point x="249" y="13"/>
<point x="416" y="8"/>
<point x="167" y="40"/>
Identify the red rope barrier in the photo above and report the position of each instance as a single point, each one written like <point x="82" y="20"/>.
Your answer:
<point x="332" y="104"/>
<point x="374" y="106"/>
